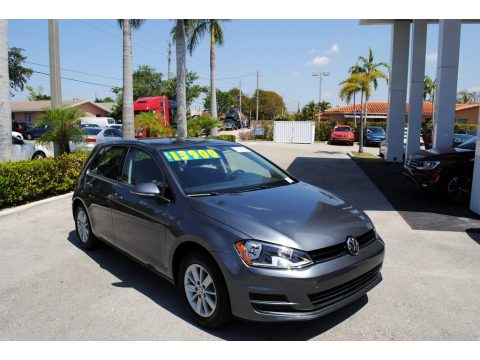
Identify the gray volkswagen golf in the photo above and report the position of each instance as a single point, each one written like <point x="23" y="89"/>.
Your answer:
<point x="234" y="232"/>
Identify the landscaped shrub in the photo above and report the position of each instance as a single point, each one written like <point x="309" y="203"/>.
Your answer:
<point x="196" y="126"/>
<point x="231" y="138"/>
<point x="323" y="130"/>
<point x="246" y="135"/>
<point x="460" y="128"/>
<point x="30" y="180"/>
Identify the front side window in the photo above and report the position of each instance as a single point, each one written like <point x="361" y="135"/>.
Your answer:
<point x="223" y="169"/>
<point x="107" y="162"/>
<point x="140" y="168"/>
<point x="469" y="144"/>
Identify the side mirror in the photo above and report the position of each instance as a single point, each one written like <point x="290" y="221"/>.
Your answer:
<point x="149" y="190"/>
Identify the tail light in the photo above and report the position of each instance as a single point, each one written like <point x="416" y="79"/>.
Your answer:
<point x="90" y="140"/>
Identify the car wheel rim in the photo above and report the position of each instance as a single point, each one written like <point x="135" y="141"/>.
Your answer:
<point x="459" y="187"/>
<point x="83" y="227"/>
<point x="200" y="290"/>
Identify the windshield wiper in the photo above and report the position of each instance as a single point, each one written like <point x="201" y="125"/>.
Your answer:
<point x="213" y="193"/>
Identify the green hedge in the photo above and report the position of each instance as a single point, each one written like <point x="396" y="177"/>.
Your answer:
<point x="30" y="180"/>
<point x="225" y="137"/>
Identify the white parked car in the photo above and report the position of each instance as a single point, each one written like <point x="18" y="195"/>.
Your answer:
<point x="94" y="136"/>
<point x="23" y="150"/>
<point x="382" y="152"/>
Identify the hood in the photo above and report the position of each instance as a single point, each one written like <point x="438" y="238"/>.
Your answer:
<point x="442" y="152"/>
<point x="298" y="215"/>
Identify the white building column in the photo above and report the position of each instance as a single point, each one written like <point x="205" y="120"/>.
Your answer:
<point x="417" y="75"/>
<point x="475" y="195"/>
<point x="447" y="76"/>
<point x="397" y="92"/>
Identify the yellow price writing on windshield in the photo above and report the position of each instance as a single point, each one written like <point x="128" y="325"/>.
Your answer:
<point x="192" y="154"/>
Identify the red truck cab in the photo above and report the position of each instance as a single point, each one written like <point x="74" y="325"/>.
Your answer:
<point x="157" y="104"/>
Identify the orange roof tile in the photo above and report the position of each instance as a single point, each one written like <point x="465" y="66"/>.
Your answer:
<point x="381" y="107"/>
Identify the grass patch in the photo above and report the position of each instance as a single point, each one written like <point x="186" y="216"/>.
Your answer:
<point x="363" y="156"/>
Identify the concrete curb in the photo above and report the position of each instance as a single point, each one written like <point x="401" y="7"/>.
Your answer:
<point x="16" y="209"/>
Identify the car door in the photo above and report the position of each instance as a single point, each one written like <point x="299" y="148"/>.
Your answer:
<point x="103" y="173"/>
<point x="140" y="222"/>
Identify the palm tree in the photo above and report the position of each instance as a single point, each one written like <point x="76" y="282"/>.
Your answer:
<point x="197" y="30"/>
<point x="356" y="82"/>
<point x="429" y="87"/>
<point x="355" y="69"/>
<point x="178" y="32"/>
<point x="373" y="73"/>
<point x="127" y="25"/>
<point x="5" y="113"/>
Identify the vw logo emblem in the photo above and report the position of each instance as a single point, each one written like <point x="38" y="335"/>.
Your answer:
<point x="352" y="245"/>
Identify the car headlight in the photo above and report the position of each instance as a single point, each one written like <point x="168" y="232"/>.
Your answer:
<point x="262" y="254"/>
<point x="427" y="165"/>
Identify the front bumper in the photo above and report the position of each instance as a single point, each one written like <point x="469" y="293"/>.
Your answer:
<point x="424" y="179"/>
<point x="344" y="140"/>
<point x="261" y="294"/>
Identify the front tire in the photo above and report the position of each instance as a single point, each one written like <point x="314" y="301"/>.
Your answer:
<point x="458" y="187"/>
<point x="84" y="230"/>
<point x="38" y="155"/>
<point x="203" y="291"/>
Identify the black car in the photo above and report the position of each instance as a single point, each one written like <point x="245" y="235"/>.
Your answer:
<point x="235" y="233"/>
<point x="448" y="169"/>
<point x="36" y="132"/>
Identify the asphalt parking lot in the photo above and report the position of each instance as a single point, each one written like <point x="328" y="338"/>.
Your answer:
<point x="50" y="289"/>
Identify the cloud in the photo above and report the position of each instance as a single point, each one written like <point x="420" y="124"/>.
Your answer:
<point x="319" y="60"/>
<point x="474" y="89"/>
<point x="431" y="57"/>
<point x="334" y="49"/>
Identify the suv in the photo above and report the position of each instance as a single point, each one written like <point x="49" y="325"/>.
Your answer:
<point x="342" y="133"/>
<point x="449" y="170"/>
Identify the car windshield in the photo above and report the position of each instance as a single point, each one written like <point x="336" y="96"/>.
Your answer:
<point x="92" y="131"/>
<point x="341" y="128"/>
<point x="461" y="137"/>
<point x="470" y="144"/>
<point x="211" y="170"/>
<point x="376" y="130"/>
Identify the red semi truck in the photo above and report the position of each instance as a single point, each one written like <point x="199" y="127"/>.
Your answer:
<point x="160" y="105"/>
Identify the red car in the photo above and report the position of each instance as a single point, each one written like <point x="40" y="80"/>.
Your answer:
<point x="342" y="133"/>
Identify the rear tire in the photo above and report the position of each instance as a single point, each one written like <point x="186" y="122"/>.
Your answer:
<point x="204" y="291"/>
<point x="29" y="137"/>
<point x="39" y="155"/>
<point x="84" y="229"/>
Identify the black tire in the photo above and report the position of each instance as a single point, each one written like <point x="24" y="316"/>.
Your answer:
<point x="457" y="187"/>
<point x="88" y="241"/>
<point x="221" y="313"/>
<point x="29" y="137"/>
<point x="39" y="155"/>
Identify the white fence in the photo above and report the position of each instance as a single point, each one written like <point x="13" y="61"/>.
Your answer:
<point x="297" y="132"/>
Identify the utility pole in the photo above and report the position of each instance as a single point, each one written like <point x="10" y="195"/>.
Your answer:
<point x="55" y="82"/>
<point x="257" y="96"/>
<point x="240" y="98"/>
<point x="54" y="54"/>
<point x="320" y="76"/>
<point x="169" y="70"/>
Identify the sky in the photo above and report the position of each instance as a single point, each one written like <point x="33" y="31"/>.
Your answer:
<point x="285" y="52"/>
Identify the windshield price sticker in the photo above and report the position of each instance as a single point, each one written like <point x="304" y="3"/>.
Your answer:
<point x="185" y="155"/>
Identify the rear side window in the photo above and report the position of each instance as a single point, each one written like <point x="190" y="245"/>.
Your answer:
<point x="107" y="162"/>
<point x="111" y="121"/>
<point x="92" y="131"/>
<point x="140" y="168"/>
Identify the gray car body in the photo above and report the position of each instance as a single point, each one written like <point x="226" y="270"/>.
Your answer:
<point x="298" y="215"/>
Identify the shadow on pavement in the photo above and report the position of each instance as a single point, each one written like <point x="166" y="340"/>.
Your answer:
<point x="134" y="275"/>
<point x="422" y="210"/>
<point x="474" y="234"/>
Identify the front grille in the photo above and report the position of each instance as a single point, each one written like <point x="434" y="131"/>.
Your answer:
<point x="267" y="297"/>
<point x="338" y="293"/>
<point x="334" y="251"/>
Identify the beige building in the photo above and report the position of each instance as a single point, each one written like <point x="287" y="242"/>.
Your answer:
<point x="29" y="111"/>
<point x="378" y="111"/>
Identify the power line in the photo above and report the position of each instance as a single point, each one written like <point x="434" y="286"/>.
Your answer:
<point x="71" y="79"/>
<point x="75" y="71"/>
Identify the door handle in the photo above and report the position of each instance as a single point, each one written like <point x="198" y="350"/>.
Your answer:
<point x="115" y="196"/>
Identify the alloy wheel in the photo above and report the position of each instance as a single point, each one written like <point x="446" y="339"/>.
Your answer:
<point x="459" y="187"/>
<point x="83" y="227"/>
<point x="200" y="290"/>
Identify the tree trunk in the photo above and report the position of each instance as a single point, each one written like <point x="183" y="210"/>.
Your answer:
<point x="354" y="111"/>
<point x="213" y="88"/>
<point x="181" y="86"/>
<point x="360" y="135"/>
<point x="6" y="153"/>
<point x="128" y="120"/>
